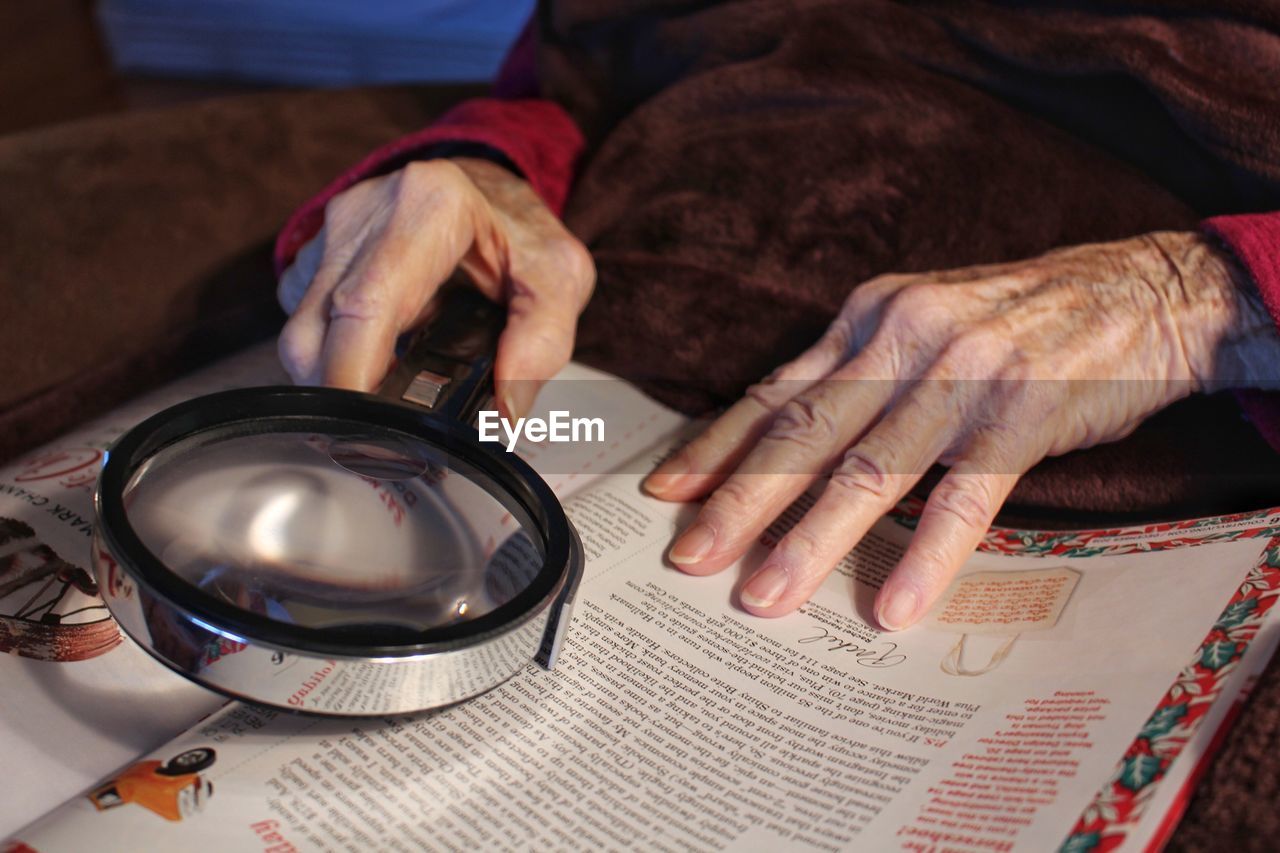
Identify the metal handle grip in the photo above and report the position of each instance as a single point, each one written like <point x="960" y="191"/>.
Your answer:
<point x="447" y="367"/>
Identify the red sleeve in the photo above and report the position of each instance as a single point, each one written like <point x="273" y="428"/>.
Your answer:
<point x="1255" y="240"/>
<point x="536" y="135"/>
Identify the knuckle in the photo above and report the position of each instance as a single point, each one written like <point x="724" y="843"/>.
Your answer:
<point x="291" y="351"/>
<point x="802" y="546"/>
<point x="437" y="186"/>
<point x="875" y="290"/>
<point x="942" y="398"/>
<point x="579" y="268"/>
<point x="770" y="393"/>
<point x="339" y="208"/>
<point x="862" y="300"/>
<point x="859" y="472"/>
<point x="968" y="502"/>
<point x="841" y="339"/>
<point x="430" y="174"/>
<point x="357" y="302"/>
<point x="977" y="352"/>
<point x="916" y="309"/>
<point x="804" y="420"/>
<point x="1025" y="275"/>
<point x="1024" y="395"/>
<point x="883" y="359"/>
<point x="351" y="203"/>
<point x="1020" y="372"/>
<point x="731" y="501"/>
<point x="866" y="302"/>
<point x="916" y="297"/>
<point x="558" y="270"/>
<point x="778" y="387"/>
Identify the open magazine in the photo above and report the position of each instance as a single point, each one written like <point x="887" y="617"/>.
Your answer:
<point x="1062" y="694"/>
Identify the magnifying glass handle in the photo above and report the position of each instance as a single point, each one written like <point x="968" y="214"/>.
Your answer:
<point x="447" y="367"/>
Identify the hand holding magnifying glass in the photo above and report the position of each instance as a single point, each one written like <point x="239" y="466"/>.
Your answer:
<point x="387" y="246"/>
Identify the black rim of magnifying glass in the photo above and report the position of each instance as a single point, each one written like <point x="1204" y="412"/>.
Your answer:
<point x="506" y="477"/>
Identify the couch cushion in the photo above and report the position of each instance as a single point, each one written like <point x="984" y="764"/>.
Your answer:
<point x="134" y="247"/>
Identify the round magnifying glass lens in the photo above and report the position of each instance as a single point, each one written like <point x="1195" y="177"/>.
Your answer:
<point x="345" y="528"/>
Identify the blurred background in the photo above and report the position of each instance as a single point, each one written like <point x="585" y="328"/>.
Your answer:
<point x="138" y="206"/>
<point x="67" y="59"/>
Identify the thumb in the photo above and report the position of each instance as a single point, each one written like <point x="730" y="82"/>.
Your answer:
<point x="543" y="304"/>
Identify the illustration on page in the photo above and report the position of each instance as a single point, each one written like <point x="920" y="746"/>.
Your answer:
<point x="173" y="789"/>
<point x="50" y="609"/>
<point x="1000" y="604"/>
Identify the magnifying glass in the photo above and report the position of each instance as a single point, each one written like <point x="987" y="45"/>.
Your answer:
<point x="335" y="552"/>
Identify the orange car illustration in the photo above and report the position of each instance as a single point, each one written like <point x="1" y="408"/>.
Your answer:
<point x="173" y="789"/>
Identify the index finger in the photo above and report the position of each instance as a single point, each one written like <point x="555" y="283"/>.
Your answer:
<point x="358" y="351"/>
<point x="380" y="295"/>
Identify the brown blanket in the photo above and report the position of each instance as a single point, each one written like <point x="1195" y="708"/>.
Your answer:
<point x="754" y="160"/>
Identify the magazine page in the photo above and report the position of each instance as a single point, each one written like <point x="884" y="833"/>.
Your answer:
<point x="1057" y="685"/>
<point x="1165" y="805"/>
<point x="80" y="699"/>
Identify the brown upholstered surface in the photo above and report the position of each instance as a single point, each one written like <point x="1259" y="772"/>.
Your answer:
<point x="134" y="246"/>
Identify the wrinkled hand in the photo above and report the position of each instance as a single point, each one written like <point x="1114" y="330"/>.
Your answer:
<point x="387" y="245"/>
<point x="987" y="370"/>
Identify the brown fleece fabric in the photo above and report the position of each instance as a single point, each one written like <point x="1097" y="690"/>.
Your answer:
<point x="754" y="160"/>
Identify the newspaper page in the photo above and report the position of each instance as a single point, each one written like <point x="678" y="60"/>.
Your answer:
<point x="1061" y="682"/>
<point x="80" y="700"/>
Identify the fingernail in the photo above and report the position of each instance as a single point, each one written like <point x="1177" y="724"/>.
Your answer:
<point x="510" y="407"/>
<point x="766" y="587"/>
<point x="669" y="473"/>
<point x="693" y="545"/>
<point x="898" y="610"/>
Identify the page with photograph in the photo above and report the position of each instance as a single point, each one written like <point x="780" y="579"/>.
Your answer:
<point x="80" y="699"/>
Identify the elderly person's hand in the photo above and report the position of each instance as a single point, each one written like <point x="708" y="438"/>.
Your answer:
<point x="387" y="245"/>
<point x="986" y="369"/>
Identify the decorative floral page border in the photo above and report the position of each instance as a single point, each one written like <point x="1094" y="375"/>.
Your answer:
<point x="1123" y="798"/>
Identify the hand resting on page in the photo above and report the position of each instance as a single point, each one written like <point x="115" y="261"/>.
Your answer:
<point x="987" y="370"/>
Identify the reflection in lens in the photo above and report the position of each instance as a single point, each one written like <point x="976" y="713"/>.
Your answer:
<point x="379" y="458"/>
<point x="265" y="531"/>
<point x="286" y="525"/>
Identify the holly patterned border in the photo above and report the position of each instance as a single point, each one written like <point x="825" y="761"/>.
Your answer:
<point x="1123" y="798"/>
